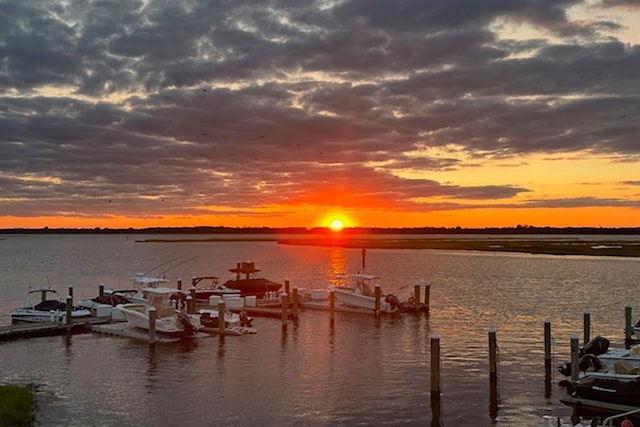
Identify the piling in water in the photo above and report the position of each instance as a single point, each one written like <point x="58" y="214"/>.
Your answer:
<point x="586" y="326"/>
<point x="152" y="325"/>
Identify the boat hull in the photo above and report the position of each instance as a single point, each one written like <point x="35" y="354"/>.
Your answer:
<point x="37" y="316"/>
<point x="168" y="324"/>
<point x="351" y="298"/>
<point x="253" y="287"/>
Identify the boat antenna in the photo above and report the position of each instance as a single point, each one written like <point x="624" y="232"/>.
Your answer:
<point x="160" y="265"/>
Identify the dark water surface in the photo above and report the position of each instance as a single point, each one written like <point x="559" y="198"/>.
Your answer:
<point x="359" y="372"/>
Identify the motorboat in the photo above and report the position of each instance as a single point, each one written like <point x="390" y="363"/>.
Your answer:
<point x="596" y="356"/>
<point x="48" y="308"/>
<point x="361" y="294"/>
<point x="169" y="320"/>
<point x="247" y="282"/>
<point x="208" y="286"/>
<point x="604" y="394"/>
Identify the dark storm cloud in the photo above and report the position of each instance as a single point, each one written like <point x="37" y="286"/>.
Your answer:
<point x="118" y="107"/>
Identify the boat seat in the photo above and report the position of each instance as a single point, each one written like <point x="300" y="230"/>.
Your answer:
<point x="624" y="367"/>
<point x="165" y="312"/>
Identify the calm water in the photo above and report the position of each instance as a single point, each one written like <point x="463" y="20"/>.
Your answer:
<point x="357" y="373"/>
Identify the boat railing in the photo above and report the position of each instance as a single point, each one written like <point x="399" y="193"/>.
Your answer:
<point x="609" y="421"/>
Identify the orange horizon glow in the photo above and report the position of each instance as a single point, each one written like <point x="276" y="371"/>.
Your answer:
<point x="605" y="217"/>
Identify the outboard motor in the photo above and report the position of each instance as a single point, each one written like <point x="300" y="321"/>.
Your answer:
<point x="598" y="345"/>
<point x="393" y="301"/>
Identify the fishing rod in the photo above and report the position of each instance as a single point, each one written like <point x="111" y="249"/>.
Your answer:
<point x="160" y="265"/>
<point x="178" y="265"/>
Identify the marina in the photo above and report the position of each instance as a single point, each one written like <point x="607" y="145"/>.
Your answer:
<point x="362" y="368"/>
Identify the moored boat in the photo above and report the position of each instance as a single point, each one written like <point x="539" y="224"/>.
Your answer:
<point x="247" y="282"/>
<point x="208" y="286"/>
<point x="50" y="308"/>
<point x="361" y="294"/>
<point x="169" y="320"/>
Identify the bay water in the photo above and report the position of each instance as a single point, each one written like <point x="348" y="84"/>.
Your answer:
<point x="358" y="371"/>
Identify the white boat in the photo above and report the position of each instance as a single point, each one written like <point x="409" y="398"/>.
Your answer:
<point x="48" y="308"/>
<point x="169" y="320"/>
<point x="361" y="294"/>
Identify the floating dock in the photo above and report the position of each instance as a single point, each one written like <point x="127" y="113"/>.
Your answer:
<point x="24" y="330"/>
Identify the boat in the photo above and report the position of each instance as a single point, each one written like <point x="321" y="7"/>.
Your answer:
<point x="208" y="286"/>
<point x="592" y="421"/>
<point x="50" y="308"/>
<point x="361" y="294"/>
<point x="605" y="394"/>
<point x="170" y="321"/>
<point x="596" y="356"/>
<point x="249" y="285"/>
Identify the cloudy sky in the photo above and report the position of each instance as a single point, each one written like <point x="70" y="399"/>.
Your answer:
<point x="384" y="113"/>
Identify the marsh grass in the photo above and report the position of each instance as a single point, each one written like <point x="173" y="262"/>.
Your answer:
<point x="17" y="405"/>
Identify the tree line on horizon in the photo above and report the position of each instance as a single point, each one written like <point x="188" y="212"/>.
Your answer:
<point x="519" y="229"/>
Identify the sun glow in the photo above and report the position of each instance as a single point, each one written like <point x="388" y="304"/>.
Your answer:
<point x="336" y="225"/>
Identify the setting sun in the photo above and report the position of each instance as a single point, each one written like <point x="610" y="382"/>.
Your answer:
<point x="336" y="225"/>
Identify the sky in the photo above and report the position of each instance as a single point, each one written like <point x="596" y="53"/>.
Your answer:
<point x="294" y="113"/>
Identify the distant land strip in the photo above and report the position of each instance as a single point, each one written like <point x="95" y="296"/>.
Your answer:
<point x="533" y="246"/>
<point x="550" y="247"/>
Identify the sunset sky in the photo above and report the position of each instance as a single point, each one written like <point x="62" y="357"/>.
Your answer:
<point x="381" y="113"/>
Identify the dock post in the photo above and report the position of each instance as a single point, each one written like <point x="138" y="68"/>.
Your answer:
<point x="284" y="303"/>
<point x="547" y="344"/>
<point x="221" y="316"/>
<point x="69" y="308"/>
<point x="71" y="291"/>
<point x="152" y="325"/>
<point x="574" y="357"/>
<point x="493" y="359"/>
<point x="427" y="291"/>
<point x="416" y="294"/>
<point x="101" y="290"/>
<point x="493" y="374"/>
<point x="628" y="328"/>
<point x="191" y="305"/>
<point x="435" y="367"/>
<point x="587" y="326"/>
<point x="179" y="284"/>
<point x="332" y="308"/>
<point x="294" y="297"/>
<point x="286" y="287"/>
<point x="378" y="294"/>
<point x="547" y="358"/>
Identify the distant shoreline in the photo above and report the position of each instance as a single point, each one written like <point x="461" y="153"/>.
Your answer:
<point x="522" y="245"/>
<point x="323" y="231"/>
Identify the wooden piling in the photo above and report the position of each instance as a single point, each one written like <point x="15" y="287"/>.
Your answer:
<point x="587" y="326"/>
<point x="427" y="291"/>
<point x="101" y="290"/>
<point x="294" y="305"/>
<point x="547" y="344"/>
<point x="378" y="294"/>
<point x="286" y="287"/>
<point x="547" y="358"/>
<point x="69" y="309"/>
<point x="332" y="306"/>
<point x="435" y="367"/>
<point x="628" y="327"/>
<point x="416" y="295"/>
<point x="493" y="357"/>
<point x="191" y="305"/>
<point x="152" y="325"/>
<point x="179" y="284"/>
<point x="70" y="291"/>
<point x="284" y="303"/>
<point x="221" y="317"/>
<point x="574" y="357"/>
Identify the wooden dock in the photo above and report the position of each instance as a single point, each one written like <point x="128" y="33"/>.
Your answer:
<point x="24" y="330"/>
